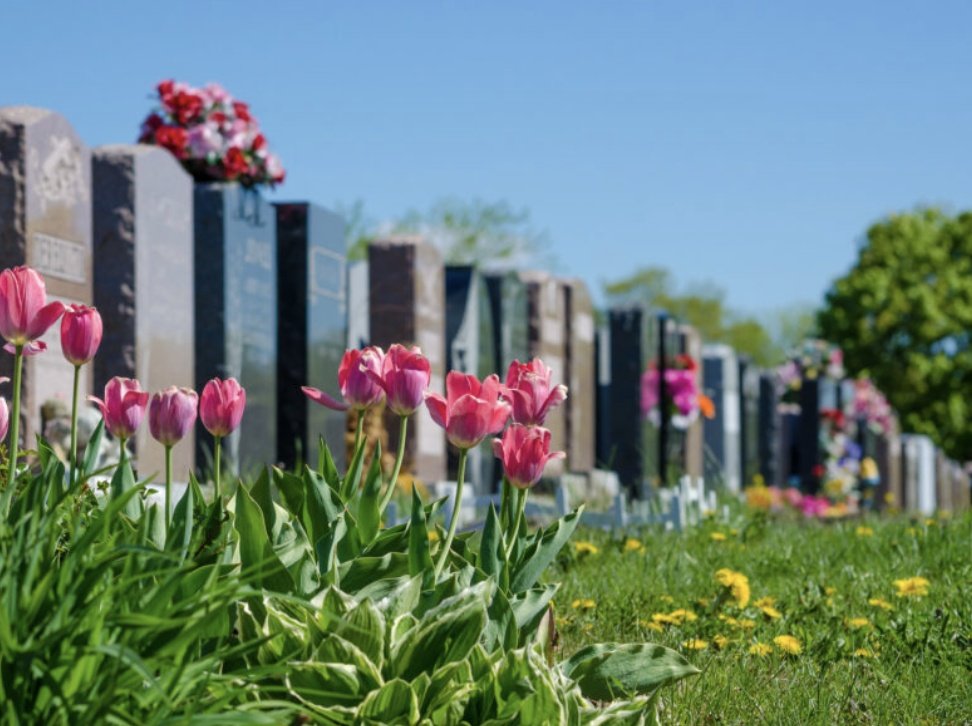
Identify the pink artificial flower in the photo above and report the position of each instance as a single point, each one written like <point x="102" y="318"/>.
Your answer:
<point x="221" y="406"/>
<point x="204" y="139"/>
<point x="356" y="381"/>
<point x="172" y="412"/>
<point x="25" y="314"/>
<point x="793" y="496"/>
<point x="524" y="451"/>
<point x="471" y="411"/>
<point x="215" y="93"/>
<point x="405" y="375"/>
<point x="528" y="389"/>
<point x="812" y="506"/>
<point x="81" y="331"/>
<point x="123" y="406"/>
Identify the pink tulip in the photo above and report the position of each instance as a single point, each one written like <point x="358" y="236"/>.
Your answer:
<point x="123" y="407"/>
<point x="355" y="379"/>
<point x="472" y="410"/>
<point x="524" y="451"/>
<point x="405" y="375"/>
<point x="221" y="406"/>
<point x="528" y="389"/>
<point x="81" y="331"/>
<point x="25" y="314"/>
<point x="172" y="412"/>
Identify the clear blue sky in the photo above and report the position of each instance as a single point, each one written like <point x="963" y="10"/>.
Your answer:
<point x="749" y="144"/>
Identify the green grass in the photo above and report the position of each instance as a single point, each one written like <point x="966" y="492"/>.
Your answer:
<point x="922" y="669"/>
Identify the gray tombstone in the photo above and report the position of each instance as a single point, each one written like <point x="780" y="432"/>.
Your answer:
<point x="469" y="349"/>
<point x="312" y="297"/>
<point x="722" y="432"/>
<point x="236" y="312"/>
<point x="579" y="375"/>
<point x="359" y="325"/>
<point x="143" y="275"/>
<point x="509" y="309"/>
<point x="45" y="222"/>
<point x="406" y="291"/>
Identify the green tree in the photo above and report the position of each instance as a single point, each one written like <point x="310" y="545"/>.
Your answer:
<point x="903" y="316"/>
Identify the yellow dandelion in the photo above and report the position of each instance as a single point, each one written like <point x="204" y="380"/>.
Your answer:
<point x="759" y="496"/>
<point x="734" y="532"/>
<point x="912" y="587"/>
<point x="930" y="522"/>
<point x="829" y="602"/>
<point x="584" y="603"/>
<point x="788" y="644"/>
<point x="760" y="649"/>
<point x="695" y="644"/>
<point x="433" y="536"/>
<point x="683" y="616"/>
<point x="863" y="653"/>
<point x="663" y="619"/>
<point x="651" y="626"/>
<point x="717" y="537"/>
<point x="857" y="623"/>
<point x="721" y="641"/>
<point x="771" y="612"/>
<point x="830" y="590"/>
<point x="879" y="603"/>
<point x="737" y="583"/>
<point x="765" y="602"/>
<point x="582" y="547"/>
<point x="864" y="532"/>
<point x="666" y="598"/>
<point x="632" y="545"/>
<point x="702" y="602"/>
<point x="562" y="621"/>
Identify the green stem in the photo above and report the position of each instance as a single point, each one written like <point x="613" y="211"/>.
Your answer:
<point x="168" y="486"/>
<point x="521" y="497"/>
<point x="73" y="452"/>
<point x="505" y="504"/>
<point x="393" y="482"/>
<point x="14" y="429"/>
<point x="217" y="455"/>
<point x="457" y="505"/>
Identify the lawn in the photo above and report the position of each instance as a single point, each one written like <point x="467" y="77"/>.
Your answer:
<point x="867" y="653"/>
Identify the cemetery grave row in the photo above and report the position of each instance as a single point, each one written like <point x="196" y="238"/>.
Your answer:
<point x="195" y="280"/>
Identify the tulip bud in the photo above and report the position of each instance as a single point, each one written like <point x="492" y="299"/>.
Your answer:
<point x="221" y="406"/>
<point x="81" y="331"/>
<point x="405" y="376"/>
<point x="471" y="410"/>
<point x="25" y="314"/>
<point x="524" y="451"/>
<point x="356" y="381"/>
<point x="528" y="388"/>
<point x="123" y="407"/>
<point x="172" y="412"/>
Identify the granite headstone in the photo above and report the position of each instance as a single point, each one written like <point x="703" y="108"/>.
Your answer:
<point x="509" y="311"/>
<point x="143" y="280"/>
<point x="312" y="310"/>
<point x="45" y="222"/>
<point x="722" y="432"/>
<point x="768" y="444"/>
<point x="579" y="374"/>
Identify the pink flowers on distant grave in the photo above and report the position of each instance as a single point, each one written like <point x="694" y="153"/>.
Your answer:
<point x="81" y="332"/>
<point x="471" y="410"/>
<point x="524" y="452"/>
<point x="528" y="389"/>
<point x="172" y="412"/>
<point x="214" y="135"/>
<point x="221" y="406"/>
<point x="25" y="314"/>
<point x="683" y="400"/>
<point x="123" y="406"/>
<point x="360" y="381"/>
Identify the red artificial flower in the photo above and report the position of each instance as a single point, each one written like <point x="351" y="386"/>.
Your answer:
<point x="165" y="89"/>
<point x="174" y="139"/>
<point x="685" y="362"/>
<point x="259" y="141"/>
<point x="818" y="470"/>
<point x="185" y="106"/>
<point x="241" y="110"/>
<point x="234" y="164"/>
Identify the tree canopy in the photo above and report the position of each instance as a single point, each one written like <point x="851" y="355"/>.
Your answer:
<point x="903" y="316"/>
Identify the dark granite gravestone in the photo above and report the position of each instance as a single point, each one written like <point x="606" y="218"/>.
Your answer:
<point x="768" y="446"/>
<point x="808" y="435"/>
<point x="312" y="310"/>
<point x="236" y="313"/>
<point x="721" y="433"/>
<point x="789" y="446"/>
<point x="749" y="420"/>
<point x="579" y="374"/>
<point x="509" y="309"/>
<point x="469" y="349"/>
<point x="45" y="222"/>
<point x="406" y="286"/>
<point x="143" y="279"/>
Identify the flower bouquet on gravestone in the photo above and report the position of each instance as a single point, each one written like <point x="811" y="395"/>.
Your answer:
<point x="812" y="359"/>
<point x="212" y="134"/>
<point x="683" y="401"/>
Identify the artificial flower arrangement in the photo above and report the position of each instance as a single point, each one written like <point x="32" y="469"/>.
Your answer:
<point x="683" y="400"/>
<point x="212" y="134"/>
<point x="841" y="461"/>
<point x="812" y="359"/>
<point x="872" y="407"/>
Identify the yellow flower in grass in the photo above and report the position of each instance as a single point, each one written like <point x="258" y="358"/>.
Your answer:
<point x="683" y="616"/>
<point x="663" y="619"/>
<point x="930" y="522"/>
<point x="864" y="653"/>
<point x="912" y="587"/>
<point x="433" y="536"/>
<point x="702" y="602"/>
<point x="582" y="547"/>
<point x="879" y="603"/>
<point x="766" y="601"/>
<point x="771" y="612"/>
<point x="760" y="649"/>
<point x="717" y="537"/>
<point x="788" y="644"/>
<point x="864" y="532"/>
<point x="633" y="545"/>
<point x="737" y="583"/>
<point x="830" y="590"/>
<point x="746" y="623"/>
<point x="721" y="641"/>
<point x="857" y="623"/>
<point x="583" y="603"/>
<point x="759" y="496"/>
<point x="695" y="644"/>
<point x="666" y="598"/>
<point x="651" y="626"/>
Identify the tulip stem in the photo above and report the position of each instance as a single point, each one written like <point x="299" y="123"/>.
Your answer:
<point x="168" y="487"/>
<point x="73" y="452"/>
<point x="521" y="497"/>
<point x="217" y="454"/>
<point x="393" y="482"/>
<point x="14" y="429"/>
<point x="358" y="429"/>
<point x="456" y="506"/>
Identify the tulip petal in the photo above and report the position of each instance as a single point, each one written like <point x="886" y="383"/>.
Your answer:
<point x="498" y="417"/>
<point x="45" y="318"/>
<point x="557" y="396"/>
<point x="460" y="384"/>
<point x="437" y="408"/>
<point x="318" y="396"/>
